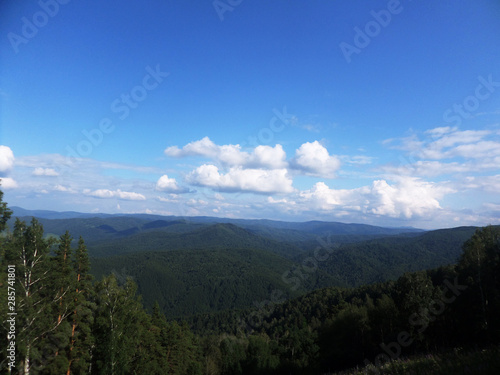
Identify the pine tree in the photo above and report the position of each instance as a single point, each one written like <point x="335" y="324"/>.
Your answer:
<point x="115" y="328"/>
<point x="5" y="214"/>
<point x="149" y="355"/>
<point x="479" y="269"/>
<point x="28" y="251"/>
<point x="81" y="341"/>
<point x="56" y="343"/>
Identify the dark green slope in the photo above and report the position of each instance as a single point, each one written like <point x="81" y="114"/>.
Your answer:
<point x="187" y="282"/>
<point x="92" y="229"/>
<point x="58" y="222"/>
<point x="214" y="236"/>
<point x="388" y="258"/>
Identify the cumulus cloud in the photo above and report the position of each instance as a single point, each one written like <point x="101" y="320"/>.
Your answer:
<point x="267" y="156"/>
<point x="203" y="147"/>
<point x="409" y="197"/>
<point x="63" y="189"/>
<point x="6" y="164"/>
<point x="313" y="159"/>
<point x="106" y="194"/>
<point x="6" y="159"/>
<point x="169" y="185"/>
<point x="232" y="155"/>
<point x="45" y="172"/>
<point x="7" y="183"/>
<point x="239" y="179"/>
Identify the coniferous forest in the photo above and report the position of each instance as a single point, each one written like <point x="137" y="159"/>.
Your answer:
<point x="57" y="318"/>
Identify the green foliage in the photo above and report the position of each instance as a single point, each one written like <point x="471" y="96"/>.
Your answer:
<point x="216" y="236"/>
<point x="196" y="281"/>
<point x="5" y="212"/>
<point x="68" y="324"/>
<point x="388" y="258"/>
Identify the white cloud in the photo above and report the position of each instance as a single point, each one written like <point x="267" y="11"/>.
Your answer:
<point x="446" y="143"/>
<point x="45" y="172"/>
<point x="106" y="194"/>
<point x="485" y="183"/>
<point x="6" y="159"/>
<point x="267" y="156"/>
<point x="438" y="132"/>
<point x="203" y="147"/>
<point x="408" y="197"/>
<point x="325" y="198"/>
<point x="99" y="193"/>
<point x="7" y="183"/>
<point x="169" y="185"/>
<point x="232" y="155"/>
<point x="238" y="179"/>
<point x="283" y="201"/>
<point x="196" y="202"/>
<point x="357" y="159"/>
<point x="129" y="195"/>
<point x="483" y="149"/>
<point x="314" y="159"/>
<point x="63" y="189"/>
<point x="428" y="168"/>
<point x="470" y="151"/>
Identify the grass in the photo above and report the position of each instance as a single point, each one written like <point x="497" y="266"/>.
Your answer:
<point x="456" y="362"/>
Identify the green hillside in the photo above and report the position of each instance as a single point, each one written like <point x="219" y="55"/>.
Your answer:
<point x="182" y="236"/>
<point x="249" y="311"/>
<point x="187" y="282"/>
<point x="388" y="258"/>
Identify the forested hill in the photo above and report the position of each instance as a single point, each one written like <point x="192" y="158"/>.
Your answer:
<point x="253" y="310"/>
<point x="387" y="258"/>
<point x="213" y="236"/>
<point x="104" y="226"/>
<point x="188" y="282"/>
<point x="219" y="262"/>
<point x="198" y="265"/>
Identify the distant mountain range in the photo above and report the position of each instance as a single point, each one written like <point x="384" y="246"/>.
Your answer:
<point x="193" y="265"/>
<point x="259" y="225"/>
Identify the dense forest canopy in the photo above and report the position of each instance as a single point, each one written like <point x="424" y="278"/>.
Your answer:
<point x="68" y="322"/>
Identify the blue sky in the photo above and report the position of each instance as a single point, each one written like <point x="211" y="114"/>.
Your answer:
<point x="382" y="112"/>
